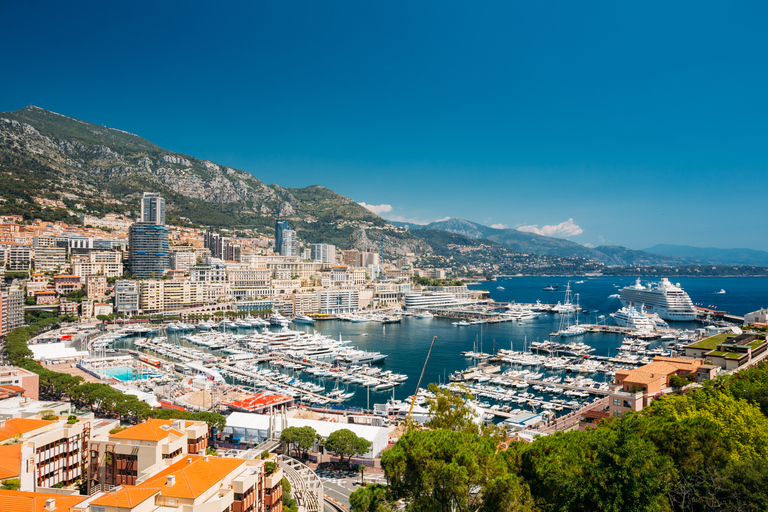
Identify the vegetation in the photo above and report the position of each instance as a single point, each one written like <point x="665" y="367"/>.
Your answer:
<point x="11" y="484"/>
<point x="344" y="442"/>
<point x="704" y="450"/>
<point x="300" y="439"/>
<point x="289" y="504"/>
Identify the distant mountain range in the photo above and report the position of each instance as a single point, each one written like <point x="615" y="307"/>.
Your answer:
<point x="711" y="255"/>
<point x="659" y="255"/>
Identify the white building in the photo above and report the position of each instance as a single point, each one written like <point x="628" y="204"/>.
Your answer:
<point x="757" y="317"/>
<point x="183" y="260"/>
<point x="324" y="253"/>
<point x="333" y="302"/>
<point x="127" y="296"/>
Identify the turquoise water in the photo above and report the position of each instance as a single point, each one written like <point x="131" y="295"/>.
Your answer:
<point x="407" y="343"/>
<point x="123" y="373"/>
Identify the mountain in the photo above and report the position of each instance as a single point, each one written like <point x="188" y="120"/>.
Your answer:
<point x="531" y="243"/>
<point x="97" y="170"/>
<point x="712" y="256"/>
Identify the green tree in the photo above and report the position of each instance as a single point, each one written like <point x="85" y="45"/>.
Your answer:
<point x="371" y="498"/>
<point x="444" y="470"/>
<point x="451" y="411"/>
<point x="344" y="442"/>
<point x="300" y="438"/>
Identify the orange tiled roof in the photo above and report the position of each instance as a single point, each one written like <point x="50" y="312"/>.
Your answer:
<point x="195" y="477"/>
<point x="150" y="430"/>
<point x="127" y="496"/>
<point x="10" y="460"/>
<point x="21" y="501"/>
<point x="17" y="426"/>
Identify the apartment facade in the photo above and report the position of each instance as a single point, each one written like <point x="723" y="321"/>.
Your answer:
<point x="11" y="309"/>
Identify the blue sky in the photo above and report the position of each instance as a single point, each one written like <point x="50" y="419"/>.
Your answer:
<point x="643" y="123"/>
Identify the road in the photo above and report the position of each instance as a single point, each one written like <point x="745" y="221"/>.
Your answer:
<point x="339" y="485"/>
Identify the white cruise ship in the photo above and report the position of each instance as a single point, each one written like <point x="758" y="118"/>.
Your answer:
<point x="667" y="300"/>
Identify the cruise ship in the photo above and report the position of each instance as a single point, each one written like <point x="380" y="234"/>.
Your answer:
<point x="667" y="300"/>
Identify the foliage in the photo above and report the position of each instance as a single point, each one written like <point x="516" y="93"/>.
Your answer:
<point x="371" y="498"/>
<point x="289" y="504"/>
<point x="345" y="442"/>
<point x="270" y="467"/>
<point x="300" y="438"/>
<point x="11" y="484"/>
<point x="451" y="411"/>
<point x="442" y="470"/>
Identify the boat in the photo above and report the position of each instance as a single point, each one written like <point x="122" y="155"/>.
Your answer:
<point x="632" y="318"/>
<point x="668" y="300"/>
<point x="550" y="288"/>
<point x="424" y="314"/>
<point x="277" y="319"/>
<point x="722" y="290"/>
<point x="500" y="288"/>
<point x="303" y="319"/>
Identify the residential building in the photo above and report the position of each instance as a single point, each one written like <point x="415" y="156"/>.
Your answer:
<point x="15" y="376"/>
<point x="127" y="296"/>
<point x="16" y="256"/>
<point x="351" y="257"/>
<point x="280" y="227"/>
<point x="50" y="259"/>
<point x="635" y="389"/>
<point x="46" y="297"/>
<point x="333" y="302"/>
<point x="64" y="284"/>
<point x="68" y="308"/>
<point x="244" y="277"/>
<point x="38" y="282"/>
<point x="148" y="249"/>
<point x="159" y="296"/>
<point x="138" y="452"/>
<point x="58" y="451"/>
<point x="105" y="263"/>
<point x="305" y="303"/>
<point x="757" y="317"/>
<point x="152" y="209"/>
<point x="182" y="260"/>
<point x="96" y="287"/>
<point x="324" y="253"/>
<point x="290" y="243"/>
<point x="110" y="221"/>
<point x="11" y="309"/>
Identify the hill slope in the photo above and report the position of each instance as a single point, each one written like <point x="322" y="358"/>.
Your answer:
<point x="98" y="170"/>
<point x="711" y="255"/>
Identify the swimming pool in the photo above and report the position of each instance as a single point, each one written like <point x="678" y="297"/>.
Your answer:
<point x="122" y="373"/>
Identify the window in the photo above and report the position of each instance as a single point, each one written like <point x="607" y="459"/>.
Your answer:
<point x="617" y="414"/>
<point x="617" y="402"/>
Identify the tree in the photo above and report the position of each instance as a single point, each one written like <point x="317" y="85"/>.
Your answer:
<point x="361" y="469"/>
<point x="443" y="470"/>
<point x="371" y="498"/>
<point x="301" y="438"/>
<point x="451" y="411"/>
<point x="345" y="442"/>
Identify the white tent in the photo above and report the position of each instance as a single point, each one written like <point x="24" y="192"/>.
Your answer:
<point x="255" y="428"/>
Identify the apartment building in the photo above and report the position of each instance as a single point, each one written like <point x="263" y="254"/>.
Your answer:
<point x="106" y="263"/>
<point x="136" y="453"/>
<point x="127" y="296"/>
<point x="212" y="273"/>
<point x="324" y="253"/>
<point x="50" y="259"/>
<point x="333" y="302"/>
<point x="95" y="287"/>
<point x="55" y="450"/>
<point x="163" y="296"/>
<point x="16" y="256"/>
<point x="183" y="260"/>
<point x="19" y="377"/>
<point x="37" y="283"/>
<point x="11" y="309"/>
<point x="244" y="277"/>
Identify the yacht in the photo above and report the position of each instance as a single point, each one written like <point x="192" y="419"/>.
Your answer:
<point x="632" y="318"/>
<point x="668" y="300"/>
<point x="303" y="319"/>
<point x="550" y="288"/>
<point x="277" y="319"/>
<point x="424" y="314"/>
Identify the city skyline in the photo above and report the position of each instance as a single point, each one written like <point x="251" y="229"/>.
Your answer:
<point x="602" y="124"/>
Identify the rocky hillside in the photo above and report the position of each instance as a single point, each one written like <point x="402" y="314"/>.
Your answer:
<point x="94" y="169"/>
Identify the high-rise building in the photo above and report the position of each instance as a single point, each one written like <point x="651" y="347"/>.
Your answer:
<point x="324" y="253"/>
<point x="222" y="247"/>
<point x="280" y="227"/>
<point x="11" y="309"/>
<point x="148" y="249"/>
<point x="153" y="208"/>
<point x="290" y="245"/>
<point x="127" y="296"/>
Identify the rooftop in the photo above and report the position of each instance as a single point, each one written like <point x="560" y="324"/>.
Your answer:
<point x="10" y="460"/>
<point x="126" y="496"/>
<point x="20" y="501"/>
<point x="150" y="430"/>
<point x="18" y="426"/>
<point x="193" y="475"/>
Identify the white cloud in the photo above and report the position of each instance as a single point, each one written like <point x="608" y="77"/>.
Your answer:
<point x="378" y="209"/>
<point x="499" y="226"/>
<point x="562" y="230"/>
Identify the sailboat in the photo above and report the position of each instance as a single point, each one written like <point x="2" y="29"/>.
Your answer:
<point x="566" y="329"/>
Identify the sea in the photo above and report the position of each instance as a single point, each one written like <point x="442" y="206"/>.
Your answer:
<point x="408" y="342"/>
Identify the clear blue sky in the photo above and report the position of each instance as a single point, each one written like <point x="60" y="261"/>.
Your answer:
<point x="643" y="122"/>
